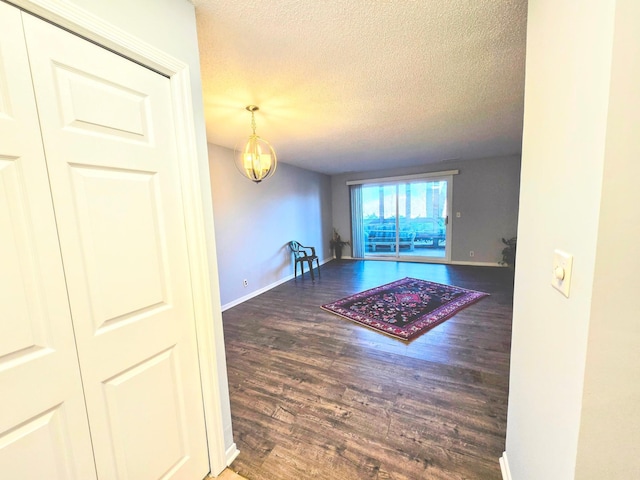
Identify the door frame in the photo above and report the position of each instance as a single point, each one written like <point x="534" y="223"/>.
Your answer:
<point x="208" y="322"/>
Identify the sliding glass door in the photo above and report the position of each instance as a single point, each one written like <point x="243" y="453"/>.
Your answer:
<point x="407" y="219"/>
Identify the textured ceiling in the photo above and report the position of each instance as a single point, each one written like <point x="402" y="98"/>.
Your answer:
<point x="356" y="85"/>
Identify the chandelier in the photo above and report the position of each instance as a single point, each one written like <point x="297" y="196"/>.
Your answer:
<point x="256" y="159"/>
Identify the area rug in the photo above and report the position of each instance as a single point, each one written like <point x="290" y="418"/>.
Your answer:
<point x="405" y="308"/>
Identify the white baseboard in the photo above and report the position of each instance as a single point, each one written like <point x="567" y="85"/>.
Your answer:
<point x="231" y="454"/>
<point x="255" y="293"/>
<point x="504" y="467"/>
<point x="477" y="264"/>
<point x="432" y="260"/>
<point x="260" y="291"/>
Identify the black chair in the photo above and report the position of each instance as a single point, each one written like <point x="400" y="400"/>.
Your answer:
<point x="303" y="254"/>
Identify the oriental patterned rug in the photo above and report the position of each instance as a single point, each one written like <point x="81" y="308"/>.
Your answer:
<point x="405" y="308"/>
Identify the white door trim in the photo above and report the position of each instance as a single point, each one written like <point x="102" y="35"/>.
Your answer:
<point x="504" y="467"/>
<point x="102" y="33"/>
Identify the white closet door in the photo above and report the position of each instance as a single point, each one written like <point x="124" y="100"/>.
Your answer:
<point x="43" y="423"/>
<point x="109" y="141"/>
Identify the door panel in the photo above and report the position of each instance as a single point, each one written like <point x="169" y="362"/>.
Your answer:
<point x="132" y="285"/>
<point x="94" y="105"/>
<point x="46" y="434"/>
<point x="108" y="135"/>
<point x="158" y="380"/>
<point x="41" y="402"/>
<point x="429" y="218"/>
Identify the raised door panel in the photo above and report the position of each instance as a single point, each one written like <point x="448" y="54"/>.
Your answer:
<point x="43" y="425"/>
<point x="109" y="139"/>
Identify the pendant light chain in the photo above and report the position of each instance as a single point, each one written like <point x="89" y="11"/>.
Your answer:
<point x="253" y="121"/>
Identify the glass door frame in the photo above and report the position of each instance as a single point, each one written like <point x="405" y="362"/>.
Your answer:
<point x="407" y="256"/>
<point x="448" y="179"/>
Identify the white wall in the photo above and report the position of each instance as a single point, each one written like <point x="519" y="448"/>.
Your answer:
<point x="485" y="192"/>
<point x="609" y="439"/>
<point x="254" y="223"/>
<point x="170" y="26"/>
<point x="574" y="389"/>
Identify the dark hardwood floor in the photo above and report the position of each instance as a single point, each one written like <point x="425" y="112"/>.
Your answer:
<point x="315" y="396"/>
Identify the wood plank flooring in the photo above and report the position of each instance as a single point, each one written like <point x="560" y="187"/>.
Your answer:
<point x="315" y="396"/>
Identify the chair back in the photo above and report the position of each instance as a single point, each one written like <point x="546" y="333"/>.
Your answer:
<point x="295" y="248"/>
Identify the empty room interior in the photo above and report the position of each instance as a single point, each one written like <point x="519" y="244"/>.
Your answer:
<point x="296" y="240"/>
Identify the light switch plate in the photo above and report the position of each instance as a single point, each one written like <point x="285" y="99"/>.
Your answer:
<point x="561" y="272"/>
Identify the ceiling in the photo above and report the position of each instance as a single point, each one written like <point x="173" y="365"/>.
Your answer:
<point x="358" y="85"/>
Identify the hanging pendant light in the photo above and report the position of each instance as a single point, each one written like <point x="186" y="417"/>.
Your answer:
<point x="256" y="159"/>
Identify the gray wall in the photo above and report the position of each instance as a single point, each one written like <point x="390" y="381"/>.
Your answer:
<point x="485" y="192"/>
<point x="254" y="223"/>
